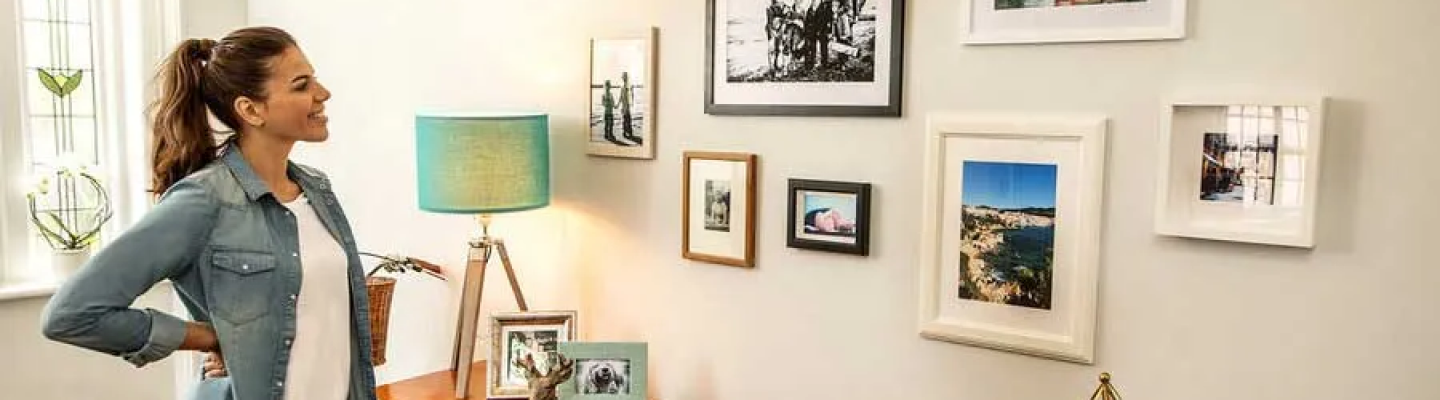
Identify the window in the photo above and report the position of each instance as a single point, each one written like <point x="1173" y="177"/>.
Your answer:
<point x="72" y="74"/>
<point x="1263" y="147"/>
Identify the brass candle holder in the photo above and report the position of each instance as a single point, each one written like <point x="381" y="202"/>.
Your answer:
<point x="1105" y="391"/>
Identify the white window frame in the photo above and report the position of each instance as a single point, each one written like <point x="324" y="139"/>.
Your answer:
<point x="130" y="39"/>
<point x="13" y="226"/>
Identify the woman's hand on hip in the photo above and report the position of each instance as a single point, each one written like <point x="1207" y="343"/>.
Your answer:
<point x="215" y="365"/>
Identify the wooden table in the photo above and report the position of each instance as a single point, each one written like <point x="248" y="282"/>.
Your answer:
<point x="434" y="386"/>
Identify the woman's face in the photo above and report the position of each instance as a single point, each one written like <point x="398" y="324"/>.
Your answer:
<point x="294" y="109"/>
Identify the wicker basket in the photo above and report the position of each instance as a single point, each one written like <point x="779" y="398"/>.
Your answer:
<point x="381" y="290"/>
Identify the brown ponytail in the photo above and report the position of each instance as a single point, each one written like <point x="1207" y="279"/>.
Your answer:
<point x="203" y="75"/>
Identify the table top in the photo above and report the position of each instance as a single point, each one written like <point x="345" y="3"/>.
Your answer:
<point x="438" y="385"/>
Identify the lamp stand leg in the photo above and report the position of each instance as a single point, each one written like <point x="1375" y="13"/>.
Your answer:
<point x="468" y="320"/>
<point x="510" y="272"/>
<point x="464" y="351"/>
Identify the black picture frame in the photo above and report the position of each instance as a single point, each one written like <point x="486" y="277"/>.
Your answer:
<point x="861" y="236"/>
<point x="892" y="108"/>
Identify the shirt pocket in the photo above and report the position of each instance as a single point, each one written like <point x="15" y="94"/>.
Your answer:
<point x="243" y="285"/>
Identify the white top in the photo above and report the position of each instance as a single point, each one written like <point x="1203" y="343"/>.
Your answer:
<point x="319" y="366"/>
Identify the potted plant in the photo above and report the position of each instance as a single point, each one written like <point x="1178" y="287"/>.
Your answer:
<point x="68" y="206"/>
<point x="382" y="290"/>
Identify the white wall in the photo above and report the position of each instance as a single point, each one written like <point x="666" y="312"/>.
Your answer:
<point x="1179" y="319"/>
<point x="40" y="369"/>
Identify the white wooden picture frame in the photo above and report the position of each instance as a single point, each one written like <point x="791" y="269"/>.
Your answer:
<point x="630" y="132"/>
<point x="1262" y="187"/>
<point x="977" y="189"/>
<point x="1052" y="21"/>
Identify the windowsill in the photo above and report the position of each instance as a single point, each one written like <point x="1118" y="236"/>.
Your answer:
<point x="39" y="288"/>
<point x="25" y="290"/>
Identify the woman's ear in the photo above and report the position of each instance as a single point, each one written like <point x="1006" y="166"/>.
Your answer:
<point x="250" y="111"/>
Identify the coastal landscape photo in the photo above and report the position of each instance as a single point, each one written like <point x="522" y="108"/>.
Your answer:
<point x="1008" y="241"/>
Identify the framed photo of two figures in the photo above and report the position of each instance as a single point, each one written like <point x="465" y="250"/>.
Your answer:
<point x="804" y="57"/>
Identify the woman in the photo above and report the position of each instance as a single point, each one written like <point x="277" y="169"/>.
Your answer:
<point x="257" y="247"/>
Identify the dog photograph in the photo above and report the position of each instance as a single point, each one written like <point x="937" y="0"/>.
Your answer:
<point x="602" y="376"/>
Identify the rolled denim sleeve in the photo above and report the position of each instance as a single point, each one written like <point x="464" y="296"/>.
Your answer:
<point x="93" y="309"/>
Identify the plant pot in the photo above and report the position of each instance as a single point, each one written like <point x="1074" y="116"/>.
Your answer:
<point x="65" y="263"/>
<point x="381" y="290"/>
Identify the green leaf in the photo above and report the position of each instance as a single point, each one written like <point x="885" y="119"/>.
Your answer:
<point x="50" y="83"/>
<point x="69" y="84"/>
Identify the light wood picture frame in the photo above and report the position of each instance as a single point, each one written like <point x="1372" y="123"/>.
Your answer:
<point x="718" y="207"/>
<point x="1010" y="245"/>
<point x="516" y="334"/>
<point x="622" y="95"/>
<point x="1241" y="168"/>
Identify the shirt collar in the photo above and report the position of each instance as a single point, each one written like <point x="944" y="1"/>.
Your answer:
<point x="254" y="187"/>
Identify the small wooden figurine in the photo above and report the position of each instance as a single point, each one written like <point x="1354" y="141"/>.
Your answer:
<point x="542" y="386"/>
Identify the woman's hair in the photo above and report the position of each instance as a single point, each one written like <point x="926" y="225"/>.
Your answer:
<point x="203" y="75"/>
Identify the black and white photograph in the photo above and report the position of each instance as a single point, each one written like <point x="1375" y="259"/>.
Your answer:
<point x="603" y="376"/>
<point x="804" y="57"/>
<point x="717" y="205"/>
<point x="621" y="92"/>
<point x="800" y="40"/>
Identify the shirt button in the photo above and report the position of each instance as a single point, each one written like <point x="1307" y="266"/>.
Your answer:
<point x="294" y="254"/>
<point x="278" y="384"/>
<point x="245" y="267"/>
<point x="292" y="297"/>
<point x="287" y="342"/>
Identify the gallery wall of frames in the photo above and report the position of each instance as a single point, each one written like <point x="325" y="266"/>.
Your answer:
<point x="1011" y="235"/>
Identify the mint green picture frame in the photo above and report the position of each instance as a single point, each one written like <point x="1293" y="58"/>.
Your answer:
<point x="589" y="356"/>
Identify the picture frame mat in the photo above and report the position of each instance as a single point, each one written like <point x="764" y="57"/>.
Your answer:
<point x="1065" y="264"/>
<point x="1165" y="20"/>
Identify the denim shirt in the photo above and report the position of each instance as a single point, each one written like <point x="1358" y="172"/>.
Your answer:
<point x="232" y="251"/>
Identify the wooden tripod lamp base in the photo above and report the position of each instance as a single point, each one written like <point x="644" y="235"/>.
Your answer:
<point x="469" y="319"/>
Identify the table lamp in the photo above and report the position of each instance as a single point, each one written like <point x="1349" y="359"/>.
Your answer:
<point x="481" y="164"/>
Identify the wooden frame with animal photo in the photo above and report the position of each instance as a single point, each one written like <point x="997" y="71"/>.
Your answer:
<point x="804" y="57"/>
<point x="718" y="208"/>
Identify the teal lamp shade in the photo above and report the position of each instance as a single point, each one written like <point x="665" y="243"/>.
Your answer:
<point x="482" y="163"/>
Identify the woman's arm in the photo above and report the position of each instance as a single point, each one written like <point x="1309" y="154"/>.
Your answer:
<point x="93" y="308"/>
